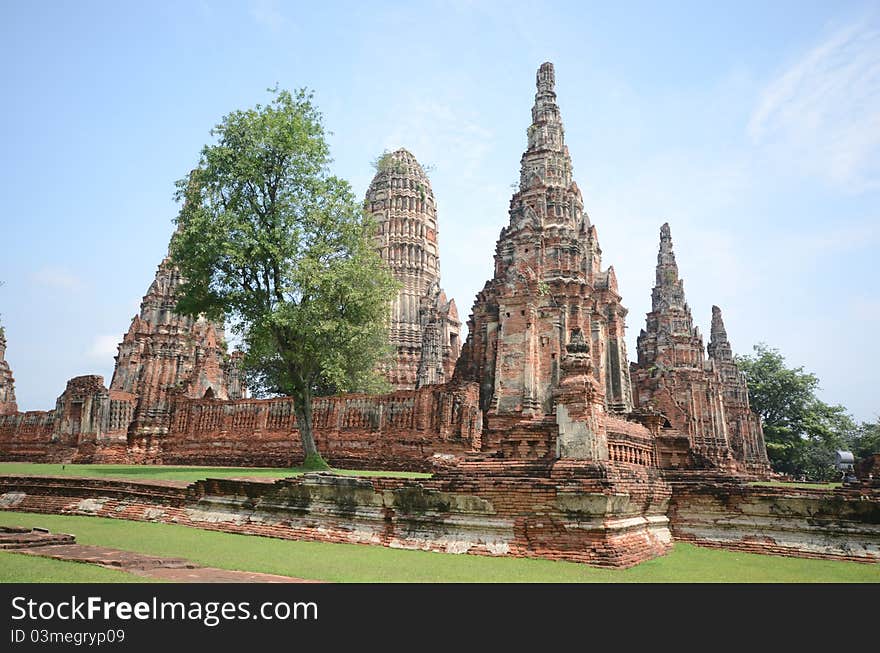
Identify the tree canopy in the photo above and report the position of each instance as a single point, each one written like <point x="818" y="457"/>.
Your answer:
<point x="270" y="240"/>
<point x="867" y="439"/>
<point x="802" y="432"/>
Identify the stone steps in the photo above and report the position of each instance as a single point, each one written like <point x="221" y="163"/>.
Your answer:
<point x="19" y="538"/>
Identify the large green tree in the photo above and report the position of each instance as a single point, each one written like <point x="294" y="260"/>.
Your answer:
<point x="270" y="240"/>
<point x="801" y="431"/>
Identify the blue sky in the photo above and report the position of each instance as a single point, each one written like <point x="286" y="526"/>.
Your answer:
<point x="754" y="129"/>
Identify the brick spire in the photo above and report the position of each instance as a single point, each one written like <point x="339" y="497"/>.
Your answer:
<point x="743" y="426"/>
<point x="719" y="346"/>
<point x="548" y="291"/>
<point x="165" y="354"/>
<point x="7" y="382"/>
<point x="672" y="375"/>
<point x="670" y="318"/>
<point x="546" y="160"/>
<point x="669" y="289"/>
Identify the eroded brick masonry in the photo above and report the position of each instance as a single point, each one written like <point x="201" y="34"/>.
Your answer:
<point x="495" y="512"/>
<point x="424" y="325"/>
<point x="704" y="400"/>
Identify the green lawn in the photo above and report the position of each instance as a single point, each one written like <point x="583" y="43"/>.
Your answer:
<point x="812" y="486"/>
<point x="188" y="473"/>
<point x="361" y="563"/>
<point x="18" y="568"/>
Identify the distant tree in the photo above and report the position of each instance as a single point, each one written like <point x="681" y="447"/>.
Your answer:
<point x="801" y="431"/>
<point x="270" y="240"/>
<point x="867" y="439"/>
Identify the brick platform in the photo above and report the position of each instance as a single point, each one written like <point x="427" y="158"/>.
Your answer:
<point x="601" y="515"/>
<point x="21" y="538"/>
<point x="841" y="524"/>
<point x="612" y="516"/>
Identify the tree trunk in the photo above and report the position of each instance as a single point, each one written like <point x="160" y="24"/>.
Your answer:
<point x="303" y="411"/>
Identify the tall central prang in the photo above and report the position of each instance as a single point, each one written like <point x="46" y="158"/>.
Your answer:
<point x="551" y="317"/>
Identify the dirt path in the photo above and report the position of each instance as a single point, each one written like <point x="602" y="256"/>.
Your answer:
<point x="176" y="570"/>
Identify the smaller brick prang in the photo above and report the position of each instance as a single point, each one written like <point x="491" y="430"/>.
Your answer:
<point x="8" y="405"/>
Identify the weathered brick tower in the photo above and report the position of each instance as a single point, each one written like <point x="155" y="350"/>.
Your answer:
<point x="546" y="346"/>
<point x="8" y="406"/>
<point x="165" y="354"/>
<point x="425" y="328"/>
<point x="672" y="375"/>
<point x="550" y="324"/>
<point x="704" y="399"/>
<point x="743" y="425"/>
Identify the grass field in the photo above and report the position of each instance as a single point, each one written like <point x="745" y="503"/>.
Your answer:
<point x="184" y="473"/>
<point x="360" y="563"/>
<point x="29" y="569"/>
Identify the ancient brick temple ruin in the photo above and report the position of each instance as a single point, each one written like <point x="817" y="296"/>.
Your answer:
<point x="543" y="375"/>
<point x="7" y="383"/>
<point x="165" y="355"/>
<point x="743" y="425"/>
<point x="704" y="400"/>
<point x="162" y="358"/>
<point x="546" y="338"/>
<point x="424" y="328"/>
<point x="540" y="433"/>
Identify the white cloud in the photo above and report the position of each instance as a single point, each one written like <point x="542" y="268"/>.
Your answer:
<point x="822" y="114"/>
<point x="103" y="347"/>
<point x="57" y="277"/>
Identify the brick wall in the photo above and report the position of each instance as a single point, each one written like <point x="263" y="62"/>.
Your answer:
<point x="27" y="437"/>
<point x="601" y="514"/>
<point x="808" y="523"/>
<point x="574" y="512"/>
<point x="401" y="430"/>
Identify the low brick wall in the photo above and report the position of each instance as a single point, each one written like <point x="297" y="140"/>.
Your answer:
<point x="28" y="437"/>
<point x="606" y="516"/>
<point x="401" y="430"/>
<point x="398" y="431"/>
<point x="841" y="524"/>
